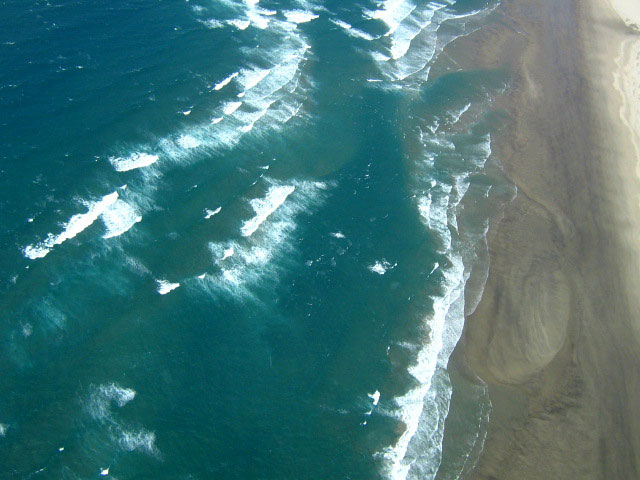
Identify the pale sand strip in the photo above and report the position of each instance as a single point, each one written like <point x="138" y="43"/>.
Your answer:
<point x="557" y="333"/>
<point x="628" y="11"/>
<point x="614" y="63"/>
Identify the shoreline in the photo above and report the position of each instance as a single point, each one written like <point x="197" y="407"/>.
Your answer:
<point x="556" y="335"/>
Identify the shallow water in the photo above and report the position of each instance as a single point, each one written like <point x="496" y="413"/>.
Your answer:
<point x="237" y="236"/>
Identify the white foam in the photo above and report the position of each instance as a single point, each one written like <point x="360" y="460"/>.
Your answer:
<point x="188" y="141"/>
<point x="229" y="252"/>
<point x="375" y="397"/>
<point x="137" y="267"/>
<point x="3" y="429"/>
<point x="213" y="23"/>
<point x="433" y="128"/>
<point x="219" y="250"/>
<point x="404" y="25"/>
<point x="76" y="224"/>
<point x="455" y="116"/>
<point x="253" y="119"/>
<point x="258" y="17"/>
<point x="407" y="29"/>
<point x="225" y="82"/>
<point x="424" y="207"/>
<point x="413" y="38"/>
<point x="271" y="92"/>
<point x="250" y="78"/>
<point x="264" y="88"/>
<point x="338" y="235"/>
<point x="211" y="213"/>
<point x="231" y="107"/>
<point x="138" y="440"/>
<point x="275" y="197"/>
<point x="242" y="264"/>
<point x="120" y="395"/>
<point x="401" y="41"/>
<point x="164" y="286"/>
<point x="35" y="251"/>
<point x="27" y="330"/>
<point x="423" y="409"/>
<point x="482" y="151"/>
<point x="100" y="406"/>
<point x="380" y="57"/>
<point x="251" y="14"/>
<point x="232" y="276"/>
<point x="433" y="209"/>
<point x="340" y="23"/>
<point x="251" y="259"/>
<point x="392" y="13"/>
<point x="444" y="326"/>
<point x="380" y="267"/>
<point x="435" y="267"/>
<point x="240" y="24"/>
<point x="299" y="16"/>
<point x="103" y="396"/>
<point x="133" y="161"/>
<point x="258" y="20"/>
<point x="353" y="32"/>
<point x="273" y="88"/>
<point x="119" y="218"/>
<point x="257" y="255"/>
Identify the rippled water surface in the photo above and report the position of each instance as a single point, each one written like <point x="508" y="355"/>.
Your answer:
<point x="236" y="236"/>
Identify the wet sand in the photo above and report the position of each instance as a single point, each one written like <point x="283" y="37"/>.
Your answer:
<point x="557" y="333"/>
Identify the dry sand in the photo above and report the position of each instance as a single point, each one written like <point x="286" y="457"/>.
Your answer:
<point x="557" y="333"/>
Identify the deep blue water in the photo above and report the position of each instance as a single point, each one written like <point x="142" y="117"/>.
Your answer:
<point x="236" y="237"/>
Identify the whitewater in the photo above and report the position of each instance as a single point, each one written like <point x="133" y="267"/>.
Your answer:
<point x="241" y="238"/>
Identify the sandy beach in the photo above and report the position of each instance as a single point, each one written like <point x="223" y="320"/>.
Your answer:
<point x="557" y="333"/>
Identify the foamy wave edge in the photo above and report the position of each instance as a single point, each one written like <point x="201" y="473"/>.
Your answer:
<point x="250" y="259"/>
<point x="424" y="409"/>
<point x="117" y="216"/>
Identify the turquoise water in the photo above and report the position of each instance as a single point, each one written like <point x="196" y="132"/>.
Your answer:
<point x="236" y="238"/>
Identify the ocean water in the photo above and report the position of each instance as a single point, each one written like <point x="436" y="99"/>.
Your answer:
<point x="239" y="238"/>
